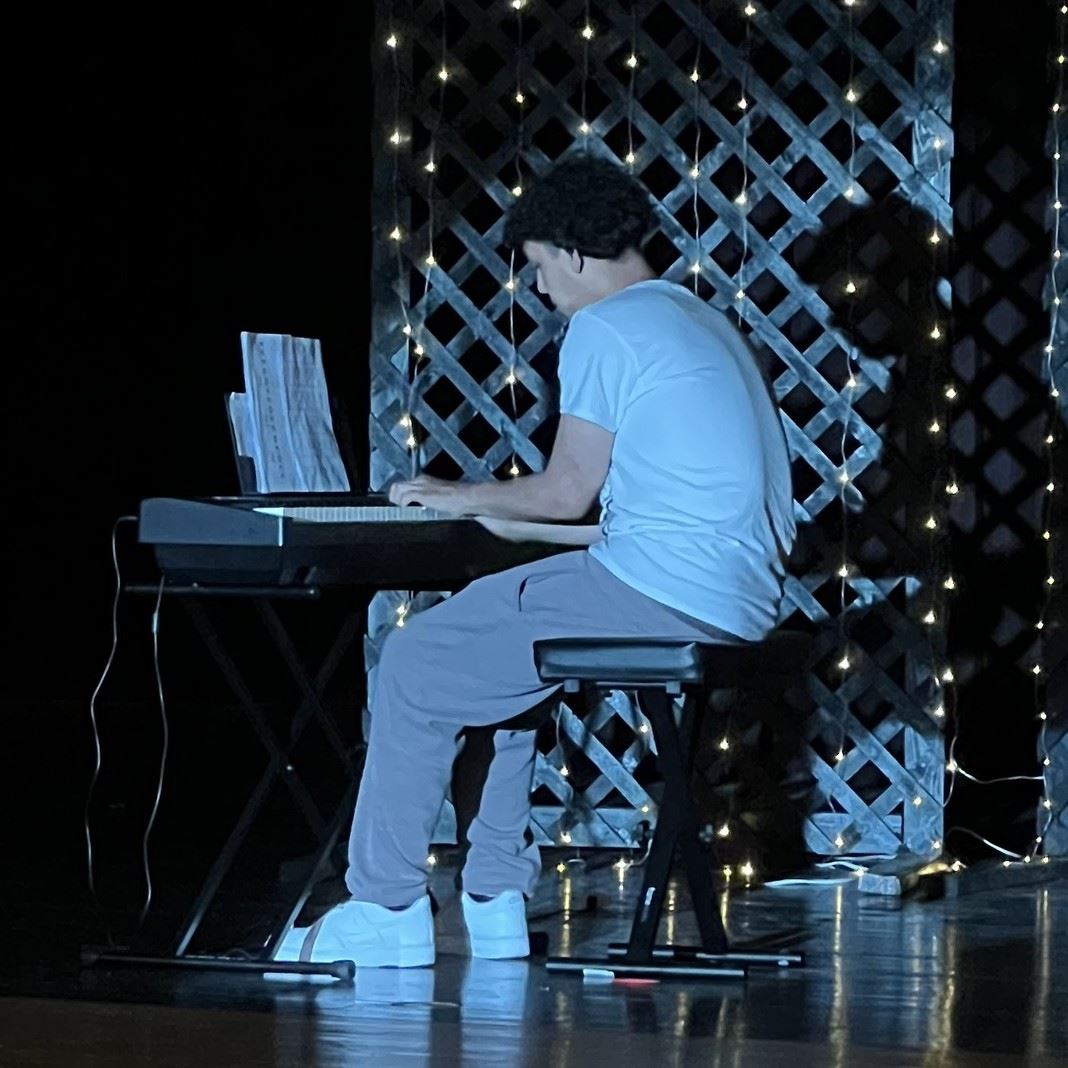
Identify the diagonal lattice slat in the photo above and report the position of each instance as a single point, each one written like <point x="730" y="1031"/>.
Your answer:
<point x="885" y="792"/>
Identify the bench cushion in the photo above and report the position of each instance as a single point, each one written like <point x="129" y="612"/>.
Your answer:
<point x="652" y="660"/>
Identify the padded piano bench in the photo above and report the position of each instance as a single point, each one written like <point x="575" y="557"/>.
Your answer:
<point x="658" y="670"/>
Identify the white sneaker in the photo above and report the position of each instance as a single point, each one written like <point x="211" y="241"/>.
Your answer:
<point x="369" y="935"/>
<point x="497" y="929"/>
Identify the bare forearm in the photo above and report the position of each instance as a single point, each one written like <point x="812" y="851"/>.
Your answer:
<point x="531" y="497"/>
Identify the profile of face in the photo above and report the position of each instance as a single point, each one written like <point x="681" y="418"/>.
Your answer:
<point x="562" y="276"/>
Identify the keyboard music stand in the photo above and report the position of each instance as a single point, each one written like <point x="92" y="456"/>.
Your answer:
<point x="280" y="768"/>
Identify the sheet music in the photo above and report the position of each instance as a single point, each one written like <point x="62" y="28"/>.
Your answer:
<point x="288" y="415"/>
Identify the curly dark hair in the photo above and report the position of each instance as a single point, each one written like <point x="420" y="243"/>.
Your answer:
<point x="585" y="204"/>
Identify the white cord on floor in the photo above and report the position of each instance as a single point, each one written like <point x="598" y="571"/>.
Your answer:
<point x="99" y="687"/>
<point x="163" y="753"/>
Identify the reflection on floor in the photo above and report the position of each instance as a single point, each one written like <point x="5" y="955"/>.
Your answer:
<point x="977" y="980"/>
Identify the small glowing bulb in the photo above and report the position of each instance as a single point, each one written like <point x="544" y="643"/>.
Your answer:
<point x="518" y="5"/>
<point x="749" y="10"/>
<point x="839" y="841"/>
<point x="930" y="618"/>
<point x="917" y="800"/>
<point x="395" y="137"/>
<point x="743" y="103"/>
<point x="935" y="427"/>
<point x="951" y="766"/>
<point x="843" y="571"/>
<point x="1050" y="581"/>
<point x="645" y="808"/>
<point x="695" y="268"/>
<point x="1055" y="393"/>
<point x="1037" y="669"/>
<point x="936" y="845"/>
<point x="941" y="47"/>
<point x="519" y="98"/>
<point x="724" y="744"/>
<point x="851" y="286"/>
<point x="839" y="756"/>
<point x="939" y="712"/>
<point x="565" y="837"/>
<point x="938" y="143"/>
<point x="563" y="771"/>
<point x="1046" y="762"/>
<point x="584" y="127"/>
<point x="695" y="75"/>
<point x="936" y="333"/>
<point x="1006" y="863"/>
<point x="510" y="380"/>
<point x="411" y="441"/>
<point x="1057" y="205"/>
<point x="1046" y="535"/>
<point x="1047" y="804"/>
<point x="1042" y="716"/>
<point x="406" y="421"/>
<point x="851" y="95"/>
<point x="1056" y="108"/>
<point x="950" y="583"/>
<point x="419" y="350"/>
<point x="1050" y="487"/>
<point x="724" y="831"/>
<point x="514" y="471"/>
<point x="747" y="870"/>
<point x="695" y="172"/>
<point x="431" y="860"/>
<point x="632" y="61"/>
<point x="629" y="157"/>
<point x="1039" y="626"/>
<point x="843" y="478"/>
<point x="391" y="41"/>
<point x="850" y="192"/>
<point x="587" y="32"/>
<point x="740" y="295"/>
<point x="443" y="74"/>
<point x="406" y="330"/>
<point x="1049" y="439"/>
<point x="951" y="393"/>
<point x="395" y="233"/>
<point x="431" y="167"/>
<point x="430" y="261"/>
<point x="510" y="285"/>
<point x="953" y="489"/>
<point x="845" y="663"/>
<point x="1060" y="58"/>
<point x="948" y="676"/>
<point x="741" y="198"/>
<point x="517" y="190"/>
<point x="644" y="728"/>
<point x="932" y="523"/>
<point x="561" y="867"/>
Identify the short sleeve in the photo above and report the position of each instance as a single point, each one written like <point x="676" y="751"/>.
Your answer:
<point x="597" y="371"/>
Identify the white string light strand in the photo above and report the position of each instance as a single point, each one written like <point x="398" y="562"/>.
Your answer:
<point x="632" y="66"/>
<point x="517" y="190"/>
<point x="587" y="36"/>
<point x="845" y="569"/>
<point x="742" y="199"/>
<point x="1051" y="578"/>
<point x="695" y="169"/>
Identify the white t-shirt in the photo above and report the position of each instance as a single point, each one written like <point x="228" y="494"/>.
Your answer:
<point x="697" y="508"/>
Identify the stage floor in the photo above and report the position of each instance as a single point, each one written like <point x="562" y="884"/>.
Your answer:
<point x="974" y="980"/>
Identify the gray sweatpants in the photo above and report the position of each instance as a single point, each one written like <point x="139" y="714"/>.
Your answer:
<point x="469" y="662"/>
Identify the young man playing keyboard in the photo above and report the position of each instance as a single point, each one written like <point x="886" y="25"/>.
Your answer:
<point x="664" y="418"/>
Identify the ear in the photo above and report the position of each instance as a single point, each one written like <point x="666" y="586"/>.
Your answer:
<point x="577" y="262"/>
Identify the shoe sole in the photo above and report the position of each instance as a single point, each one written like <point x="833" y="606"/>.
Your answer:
<point x="499" y="948"/>
<point x="414" y="956"/>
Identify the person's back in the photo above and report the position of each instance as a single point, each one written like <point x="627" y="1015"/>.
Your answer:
<point x="697" y="510"/>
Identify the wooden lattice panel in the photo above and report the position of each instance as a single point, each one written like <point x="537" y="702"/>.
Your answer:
<point x="800" y="231"/>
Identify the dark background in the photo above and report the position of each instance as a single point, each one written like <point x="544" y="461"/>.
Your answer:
<point x="177" y="184"/>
